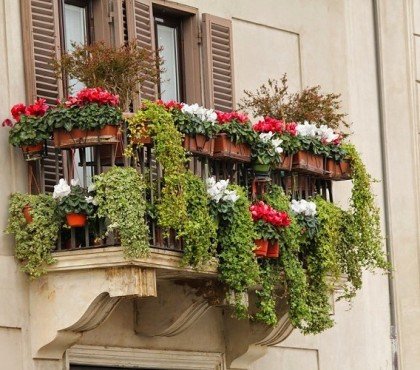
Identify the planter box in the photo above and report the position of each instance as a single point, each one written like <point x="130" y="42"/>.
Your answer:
<point x="285" y="163"/>
<point x="33" y="152"/>
<point x="78" y="138"/>
<point x="199" y="144"/>
<point x="337" y="170"/>
<point x="309" y="163"/>
<point x="224" y="148"/>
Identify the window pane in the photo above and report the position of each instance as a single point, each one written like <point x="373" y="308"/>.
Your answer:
<point x="168" y="40"/>
<point x="75" y="32"/>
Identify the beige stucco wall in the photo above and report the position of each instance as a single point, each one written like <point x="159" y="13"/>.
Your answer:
<point x="326" y="42"/>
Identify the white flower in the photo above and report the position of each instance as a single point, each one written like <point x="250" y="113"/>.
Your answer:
<point x="211" y="181"/>
<point x="307" y="129"/>
<point x="230" y="196"/>
<point x="62" y="189"/>
<point x="92" y="187"/>
<point x="74" y="182"/>
<point x="276" y="144"/>
<point x="266" y="136"/>
<point x="202" y="113"/>
<point x="91" y="200"/>
<point x="326" y="134"/>
<point x="303" y="207"/>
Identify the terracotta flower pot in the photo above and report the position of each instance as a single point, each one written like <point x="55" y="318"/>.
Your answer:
<point x="199" y="144"/>
<point x="77" y="138"/>
<point x="36" y="148"/>
<point x="273" y="249"/>
<point x="285" y="163"/>
<point x="338" y="170"/>
<point x="224" y="148"/>
<point x="76" y="219"/>
<point x="261" y="247"/>
<point x="307" y="162"/>
<point x="27" y="213"/>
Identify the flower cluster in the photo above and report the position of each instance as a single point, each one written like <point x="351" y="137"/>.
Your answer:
<point x="226" y="117"/>
<point x="324" y="133"/>
<point x="171" y="104"/>
<point x="37" y="109"/>
<point x="218" y="190"/>
<point x="93" y="95"/>
<point x="262" y="211"/>
<point x="208" y="115"/>
<point x="268" y="137"/>
<point x="63" y="189"/>
<point x="269" y="124"/>
<point x="303" y="207"/>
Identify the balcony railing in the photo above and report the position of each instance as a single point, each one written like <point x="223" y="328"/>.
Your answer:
<point x="86" y="161"/>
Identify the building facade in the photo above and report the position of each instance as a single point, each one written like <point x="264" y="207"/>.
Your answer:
<point x="93" y="308"/>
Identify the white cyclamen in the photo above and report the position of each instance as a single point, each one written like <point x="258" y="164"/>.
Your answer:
<point x="303" y="207"/>
<point x="218" y="190"/>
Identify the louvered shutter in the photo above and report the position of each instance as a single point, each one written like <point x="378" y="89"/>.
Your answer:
<point x="218" y="63"/>
<point x="140" y="27"/>
<point x="41" y="39"/>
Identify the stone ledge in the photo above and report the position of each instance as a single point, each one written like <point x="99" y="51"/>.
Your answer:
<point x="166" y="263"/>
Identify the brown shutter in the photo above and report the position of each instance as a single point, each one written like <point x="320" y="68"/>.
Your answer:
<point x="218" y="63"/>
<point x="41" y="39"/>
<point x="140" y="27"/>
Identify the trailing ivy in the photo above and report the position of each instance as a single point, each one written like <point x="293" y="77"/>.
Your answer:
<point x="120" y="198"/>
<point x="34" y="240"/>
<point x="269" y="277"/>
<point x="238" y="266"/>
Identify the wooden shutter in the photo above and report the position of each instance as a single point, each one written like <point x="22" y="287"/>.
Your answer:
<point x="140" y="27"/>
<point x="218" y="63"/>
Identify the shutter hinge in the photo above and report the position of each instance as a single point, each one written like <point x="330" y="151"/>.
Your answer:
<point x="199" y="37"/>
<point x="111" y="17"/>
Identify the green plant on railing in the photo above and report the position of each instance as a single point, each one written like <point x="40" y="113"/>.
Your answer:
<point x="238" y="266"/>
<point x="199" y="232"/>
<point x="120" y="198"/>
<point x="34" y="241"/>
<point x="267" y="298"/>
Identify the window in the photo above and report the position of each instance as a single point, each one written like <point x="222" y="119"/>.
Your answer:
<point x="168" y="39"/>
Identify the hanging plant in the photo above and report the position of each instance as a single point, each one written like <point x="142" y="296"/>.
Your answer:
<point x="119" y="194"/>
<point x="34" y="240"/>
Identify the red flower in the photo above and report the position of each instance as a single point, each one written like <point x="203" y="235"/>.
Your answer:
<point x="93" y="95"/>
<point x="17" y="110"/>
<point x="37" y="109"/>
<point x="226" y="117"/>
<point x="262" y="211"/>
<point x="291" y="128"/>
<point x="270" y="124"/>
<point x="7" y="122"/>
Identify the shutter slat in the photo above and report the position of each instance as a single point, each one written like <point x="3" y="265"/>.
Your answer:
<point x="217" y="34"/>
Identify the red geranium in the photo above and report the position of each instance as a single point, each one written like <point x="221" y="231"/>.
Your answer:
<point x="171" y="104"/>
<point x="93" y="95"/>
<point x="262" y="211"/>
<point x="226" y="117"/>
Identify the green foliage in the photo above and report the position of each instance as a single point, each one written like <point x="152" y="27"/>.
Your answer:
<point x="263" y="152"/>
<point x="29" y="131"/>
<point x="118" y="70"/>
<point x="199" y="232"/>
<point x="269" y="276"/>
<point x="88" y="117"/>
<point x="76" y="202"/>
<point x="192" y="125"/>
<point x="237" y="132"/>
<point x="120" y="198"/>
<point x="35" y="240"/>
<point x="238" y="266"/>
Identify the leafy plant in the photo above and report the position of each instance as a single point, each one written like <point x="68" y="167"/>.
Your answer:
<point x="76" y="201"/>
<point x="34" y="241"/>
<point x="238" y="266"/>
<point x="120" y="198"/>
<point x="269" y="275"/>
<point x="119" y="70"/>
<point x="29" y="131"/>
<point x="265" y="149"/>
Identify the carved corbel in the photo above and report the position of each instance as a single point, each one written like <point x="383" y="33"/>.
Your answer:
<point x="66" y="304"/>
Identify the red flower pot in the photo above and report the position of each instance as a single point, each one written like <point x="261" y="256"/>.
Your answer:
<point x="307" y="162"/>
<point x="338" y="170"/>
<point x="224" y="148"/>
<point x="77" y="138"/>
<point x="27" y="213"/>
<point x="30" y="149"/>
<point x="76" y="219"/>
<point x="199" y="144"/>
<point x="273" y="249"/>
<point x="285" y="163"/>
<point x="261" y="247"/>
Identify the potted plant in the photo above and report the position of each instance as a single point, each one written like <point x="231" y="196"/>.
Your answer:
<point x="267" y="222"/>
<point x="234" y="135"/>
<point x="34" y="240"/>
<point x="198" y="124"/>
<point x="30" y="130"/>
<point x="92" y="117"/>
<point x="337" y="165"/>
<point x="265" y="153"/>
<point x="74" y="202"/>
